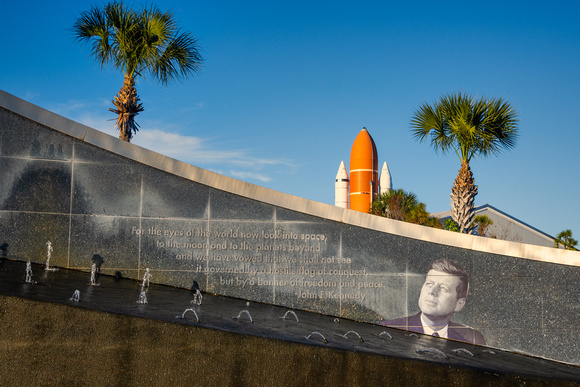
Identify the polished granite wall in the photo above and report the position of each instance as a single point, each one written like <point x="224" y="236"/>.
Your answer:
<point x="95" y="205"/>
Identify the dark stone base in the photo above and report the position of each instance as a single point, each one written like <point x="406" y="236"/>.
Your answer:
<point x="51" y="344"/>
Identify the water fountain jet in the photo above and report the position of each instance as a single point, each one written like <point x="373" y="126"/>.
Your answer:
<point x="187" y="310"/>
<point x="28" y="279"/>
<point x="76" y="297"/>
<point x="146" y="278"/>
<point x="316" y="333"/>
<point x="462" y="351"/>
<point x="197" y="297"/>
<point x="242" y="312"/>
<point x="432" y="350"/>
<point x="346" y="335"/>
<point x="292" y="313"/>
<point x="48" y="255"/>
<point x="142" y="298"/>
<point x="385" y="333"/>
<point x="94" y="275"/>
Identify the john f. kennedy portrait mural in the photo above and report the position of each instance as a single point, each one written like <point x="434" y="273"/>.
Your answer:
<point x="444" y="293"/>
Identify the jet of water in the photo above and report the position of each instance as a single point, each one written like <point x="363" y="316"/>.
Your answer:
<point x="142" y="298"/>
<point x="94" y="275"/>
<point x="76" y="297"/>
<point x="197" y="297"/>
<point x="316" y="333"/>
<point x="146" y="278"/>
<point x="242" y="312"/>
<point x="292" y="313"/>
<point x="29" y="273"/>
<point x="188" y="310"/>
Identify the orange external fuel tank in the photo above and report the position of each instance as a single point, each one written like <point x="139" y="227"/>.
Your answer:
<point x="364" y="172"/>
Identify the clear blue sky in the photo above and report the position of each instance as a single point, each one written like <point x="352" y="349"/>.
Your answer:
<point x="287" y="86"/>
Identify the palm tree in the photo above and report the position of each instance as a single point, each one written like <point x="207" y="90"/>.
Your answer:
<point x="137" y="42"/>
<point x="401" y="205"/>
<point x="450" y="225"/>
<point x="470" y="127"/>
<point x="394" y="204"/>
<point x="482" y="223"/>
<point x="565" y="240"/>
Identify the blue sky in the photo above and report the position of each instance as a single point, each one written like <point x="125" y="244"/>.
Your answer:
<point x="287" y="86"/>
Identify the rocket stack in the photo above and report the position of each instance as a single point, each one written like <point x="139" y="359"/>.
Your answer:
<point x="341" y="187"/>
<point x="364" y="185"/>
<point x="385" y="181"/>
<point x="364" y="172"/>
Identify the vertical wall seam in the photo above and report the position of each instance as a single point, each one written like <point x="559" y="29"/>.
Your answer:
<point x="542" y="311"/>
<point x="341" y="280"/>
<point x="407" y="285"/>
<point x="208" y="229"/>
<point x="140" y="227"/>
<point x="275" y="245"/>
<point x="70" y="208"/>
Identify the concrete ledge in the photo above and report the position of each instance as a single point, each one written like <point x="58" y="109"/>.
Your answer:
<point x="43" y="116"/>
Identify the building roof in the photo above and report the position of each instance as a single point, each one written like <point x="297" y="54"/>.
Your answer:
<point x="507" y="227"/>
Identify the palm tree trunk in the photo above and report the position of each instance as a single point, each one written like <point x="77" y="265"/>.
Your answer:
<point x="127" y="106"/>
<point x="462" y="197"/>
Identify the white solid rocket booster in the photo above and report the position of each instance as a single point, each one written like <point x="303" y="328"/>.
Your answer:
<point x="385" y="180"/>
<point x="341" y="187"/>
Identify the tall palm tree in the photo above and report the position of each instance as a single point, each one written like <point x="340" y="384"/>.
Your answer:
<point x="137" y="42"/>
<point x="470" y="127"/>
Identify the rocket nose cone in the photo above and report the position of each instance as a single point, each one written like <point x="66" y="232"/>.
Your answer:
<point x="385" y="169"/>
<point x="341" y="174"/>
<point x="363" y="151"/>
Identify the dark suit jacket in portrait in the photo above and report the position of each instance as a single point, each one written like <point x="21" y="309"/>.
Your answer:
<point x="455" y="331"/>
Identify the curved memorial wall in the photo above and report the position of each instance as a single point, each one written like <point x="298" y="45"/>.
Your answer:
<point x="100" y="200"/>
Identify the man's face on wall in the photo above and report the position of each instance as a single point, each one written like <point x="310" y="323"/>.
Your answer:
<point x="438" y="298"/>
